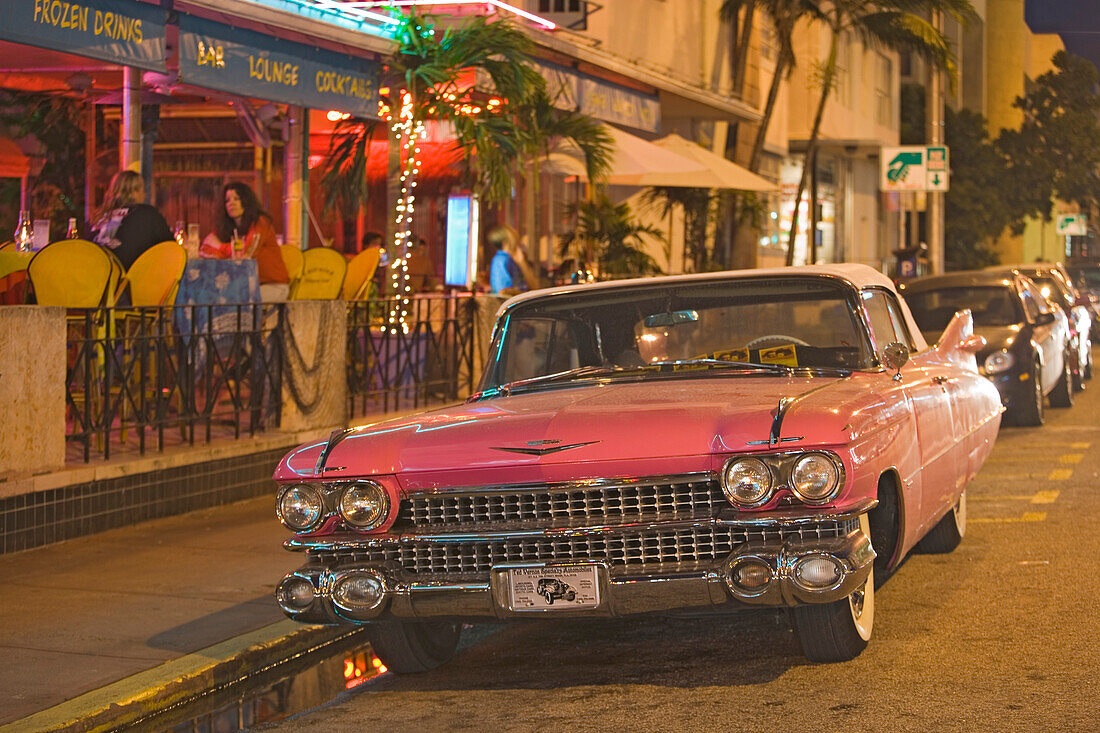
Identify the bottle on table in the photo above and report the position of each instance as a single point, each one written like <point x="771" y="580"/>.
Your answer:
<point x="71" y="232"/>
<point x="238" y="245"/>
<point x="24" y="232"/>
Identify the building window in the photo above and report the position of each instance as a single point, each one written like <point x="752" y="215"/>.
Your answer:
<point x="884" y="88"/>
<point x="567" y="13"/>
<point x="560" y="6"/>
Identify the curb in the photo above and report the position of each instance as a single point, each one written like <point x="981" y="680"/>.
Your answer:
<point x="176" y="683"/>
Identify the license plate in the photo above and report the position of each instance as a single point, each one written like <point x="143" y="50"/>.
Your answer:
<point x="559" y="588"/>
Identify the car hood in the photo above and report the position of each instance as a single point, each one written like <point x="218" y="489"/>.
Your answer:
<point x="621" y="422"/>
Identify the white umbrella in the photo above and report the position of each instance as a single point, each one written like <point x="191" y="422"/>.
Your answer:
<point x="720" y="173"/>
<point x="632" y="158"/>
<point x="670" y="161"/>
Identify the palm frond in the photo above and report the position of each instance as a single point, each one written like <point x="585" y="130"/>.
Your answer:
<point x="903" y="31"/>
<point x="344" y="176"/>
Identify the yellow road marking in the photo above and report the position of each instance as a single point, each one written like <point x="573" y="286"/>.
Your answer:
<point x="1060" y="474"/>
<point x="1047" y="496"/>
<point x="1027" y="517"/>
<point x="1080" y="446"/>
<point x="1071" y="458"/>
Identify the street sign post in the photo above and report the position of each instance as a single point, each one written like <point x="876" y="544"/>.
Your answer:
<point x="915" y="168"/>
<point x="1072" y="225"/>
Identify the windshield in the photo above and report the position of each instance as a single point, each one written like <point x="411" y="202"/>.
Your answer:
<point x="991" y="306"/>
<point x="1054" y="289"/>
<point x="790" y="322"/>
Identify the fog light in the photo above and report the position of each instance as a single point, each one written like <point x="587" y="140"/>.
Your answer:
<point x="358" y="591"/>
<point x="294" y="594"/>
<point x="815" y="572"/>
<point x="751" y="575"/>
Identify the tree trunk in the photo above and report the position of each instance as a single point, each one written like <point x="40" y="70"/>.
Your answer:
<point x="781" y="65"/>
<point x="811" y="146"/>
<point x="739" y="63"/>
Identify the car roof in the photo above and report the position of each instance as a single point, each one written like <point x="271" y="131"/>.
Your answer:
<point x="859" y="275"/>
<point x="985" y="278"/>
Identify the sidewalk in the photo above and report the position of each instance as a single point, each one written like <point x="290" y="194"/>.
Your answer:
<point x="141" y="614"/>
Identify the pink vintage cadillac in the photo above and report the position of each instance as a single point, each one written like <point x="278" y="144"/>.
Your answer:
<point x="709" y="442"/>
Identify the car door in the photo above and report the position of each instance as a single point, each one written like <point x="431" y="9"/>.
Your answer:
<point x="927" y="382"/>
<point x="1046" y="337"/>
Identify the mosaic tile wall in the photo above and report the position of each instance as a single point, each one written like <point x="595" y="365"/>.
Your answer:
<point x="43" y="517"/>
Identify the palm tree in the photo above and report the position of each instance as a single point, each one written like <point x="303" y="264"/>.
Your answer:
<point x="894" y="24"/>
<point x="783" y="15"/>
<point x="616" y="235"/>
<point x="540" y="127"/>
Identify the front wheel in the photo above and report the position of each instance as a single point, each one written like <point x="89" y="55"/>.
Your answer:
<point x="838" y="631"/>
<point x="406" y="647"/>
<point x="1062" y="395"/>
<point x="948" y="532"/>
<point x="1029" y="411"/>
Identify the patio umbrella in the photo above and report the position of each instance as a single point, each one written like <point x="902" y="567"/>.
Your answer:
<point x="632" y="159"/>
<point x="718" y="172"/>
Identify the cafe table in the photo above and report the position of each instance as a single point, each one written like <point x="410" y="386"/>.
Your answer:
<point x="217" y="297"/>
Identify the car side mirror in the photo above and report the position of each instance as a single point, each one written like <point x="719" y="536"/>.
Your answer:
<point x="1044" y="319"/>
<point x="895" y="356"/>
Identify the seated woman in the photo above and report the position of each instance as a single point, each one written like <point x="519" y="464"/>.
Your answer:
<point x="125" y="224"/>
<point x="243" y="229"/>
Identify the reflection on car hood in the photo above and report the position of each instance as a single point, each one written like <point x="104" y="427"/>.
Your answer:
<point x="620" y="422"/>
<point x="996" y="337"/>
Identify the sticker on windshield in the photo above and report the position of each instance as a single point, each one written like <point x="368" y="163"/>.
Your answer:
<point x="786" y="355"/>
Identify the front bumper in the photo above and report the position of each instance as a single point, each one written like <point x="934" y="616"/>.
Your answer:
<point x="310" y="593"/>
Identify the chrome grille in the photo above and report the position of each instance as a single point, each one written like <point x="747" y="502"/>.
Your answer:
<point x="624" y="548"/>
<point x="612" y="501"/>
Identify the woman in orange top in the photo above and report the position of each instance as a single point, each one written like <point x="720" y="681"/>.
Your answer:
<point x="242" y="229"/>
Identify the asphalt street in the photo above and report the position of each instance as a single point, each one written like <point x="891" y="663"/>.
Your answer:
<point x="998" y="636"/>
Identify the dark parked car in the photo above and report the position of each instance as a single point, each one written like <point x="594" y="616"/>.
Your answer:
<point x="1055" y="283"/>
<point x="1086" y="278"/>
<point x="1026" y="356"/>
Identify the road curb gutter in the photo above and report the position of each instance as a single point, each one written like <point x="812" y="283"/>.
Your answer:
<point x="181" y="681"/>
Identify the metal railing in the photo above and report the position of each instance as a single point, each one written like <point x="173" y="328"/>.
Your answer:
<point x="151" y="377"/>
<point x="429" y="360"/>
<point x="142" y="379"/>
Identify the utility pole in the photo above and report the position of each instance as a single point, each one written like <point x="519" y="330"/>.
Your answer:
<point x="935" y="135"/>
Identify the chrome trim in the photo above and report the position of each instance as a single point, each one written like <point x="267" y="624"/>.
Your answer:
<point x="778" y="520"/>
<point x="506" y="489"/>
<point x="699" y="587"/>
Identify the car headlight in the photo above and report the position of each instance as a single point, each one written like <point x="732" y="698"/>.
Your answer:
<point x="300" y="507"/>
<point x="747" y="482"/>
<point x="815" y="478"/>
<point x="998" y="362"/>
<point x="364" y="505"/>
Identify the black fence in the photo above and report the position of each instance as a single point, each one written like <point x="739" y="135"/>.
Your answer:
<point x="150" y="377"/>
<point x="412" y="354"/>
<point x="141" y="379"/>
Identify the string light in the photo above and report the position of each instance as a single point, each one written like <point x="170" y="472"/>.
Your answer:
<point x="410" y="131"/>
